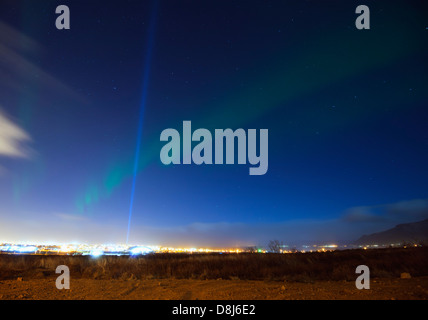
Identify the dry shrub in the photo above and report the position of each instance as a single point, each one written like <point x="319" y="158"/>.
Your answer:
<point x="304" y="267"/>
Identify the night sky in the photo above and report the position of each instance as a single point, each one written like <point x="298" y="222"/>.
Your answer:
<point x="346" y="111"/>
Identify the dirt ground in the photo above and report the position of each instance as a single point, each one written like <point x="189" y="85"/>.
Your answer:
<point x="170" y="289"/>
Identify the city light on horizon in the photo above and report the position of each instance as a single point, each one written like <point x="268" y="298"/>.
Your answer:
<point x="98" y="250"/>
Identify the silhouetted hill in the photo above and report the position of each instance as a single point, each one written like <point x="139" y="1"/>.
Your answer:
<point x="416" y="232"/>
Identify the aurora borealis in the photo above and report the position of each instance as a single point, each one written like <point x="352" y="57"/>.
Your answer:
<point x="81" y="112"/>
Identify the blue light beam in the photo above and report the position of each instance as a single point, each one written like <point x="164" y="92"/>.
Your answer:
<point x="147" y="62"/>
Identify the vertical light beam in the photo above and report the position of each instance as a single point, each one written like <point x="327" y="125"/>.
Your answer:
<point x="147" y="62"/>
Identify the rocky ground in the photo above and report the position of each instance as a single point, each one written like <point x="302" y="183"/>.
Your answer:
<point x="171" y="289"/>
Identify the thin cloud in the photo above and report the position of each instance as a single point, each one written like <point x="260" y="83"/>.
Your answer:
<point x="361" y="215"/>
<point x="17" y="71"/>
<point x="70" y="217"/>
<point x="416" y="209"/>
<point x="17" y="40"/>
<point x="346" y="228"/>
<point x="399" y="212"/>
<point x="349" y="226"/>
<point x="13" y="139"/>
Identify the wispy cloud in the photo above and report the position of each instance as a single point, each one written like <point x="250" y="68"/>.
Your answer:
<point x="399" y="212"/>
<point x="70" y="217"/>
<point x="13" y="139"/>
<point x="17" y="71"/>
<point x="347" y="227"/>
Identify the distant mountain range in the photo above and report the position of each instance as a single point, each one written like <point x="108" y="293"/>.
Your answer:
<point x="416" y="232"/>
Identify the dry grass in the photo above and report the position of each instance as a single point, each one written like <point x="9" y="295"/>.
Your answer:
<point x="302" y="267"/>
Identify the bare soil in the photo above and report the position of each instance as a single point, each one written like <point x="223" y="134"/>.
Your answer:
<point x="189" y="289"/>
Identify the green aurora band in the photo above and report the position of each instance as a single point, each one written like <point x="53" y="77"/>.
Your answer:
<point x="337" y="59"/>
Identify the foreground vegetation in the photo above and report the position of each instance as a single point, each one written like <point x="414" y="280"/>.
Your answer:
<point x="304" y="267"/>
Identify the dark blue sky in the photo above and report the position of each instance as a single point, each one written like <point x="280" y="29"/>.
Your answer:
<point x="346" y="111"/>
